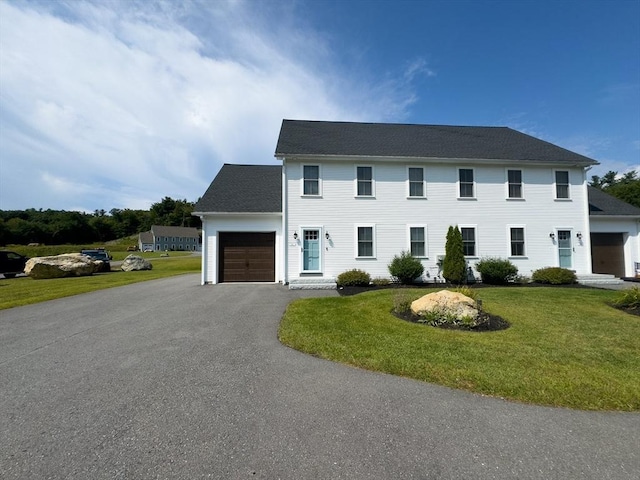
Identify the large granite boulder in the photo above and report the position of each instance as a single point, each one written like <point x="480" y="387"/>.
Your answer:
<point x="135" y="262"/>
<point x="448" y="303"/>
<point x="58" y="266"/>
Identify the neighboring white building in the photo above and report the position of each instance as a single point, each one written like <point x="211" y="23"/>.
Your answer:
<point x="165" y="238"/>
<point x="353" y="195"/>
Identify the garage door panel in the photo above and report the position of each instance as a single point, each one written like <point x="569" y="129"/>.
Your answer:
<point x="607" y="253"/>
<point x="247" y="257"/>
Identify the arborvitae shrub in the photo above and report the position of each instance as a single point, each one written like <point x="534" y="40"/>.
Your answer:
<point x="454" y="266"/>
<point x="405" y="268"/>
<point x="496" y="271"/>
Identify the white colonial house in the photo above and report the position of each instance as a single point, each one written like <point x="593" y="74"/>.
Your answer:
<point x="353" y="195"/>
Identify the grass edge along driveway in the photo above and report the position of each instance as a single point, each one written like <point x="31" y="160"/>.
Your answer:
<point x="566" y="347"/>
<point x="20" y="291"/>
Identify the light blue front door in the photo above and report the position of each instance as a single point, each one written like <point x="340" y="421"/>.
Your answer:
<point x="311" y="251"/>
<point x="565" y="250"/>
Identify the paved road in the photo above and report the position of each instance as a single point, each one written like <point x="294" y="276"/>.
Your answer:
<point x="169" y="379"/>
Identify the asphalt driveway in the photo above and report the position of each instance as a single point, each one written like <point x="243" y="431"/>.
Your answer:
<point x="169" y="379"/>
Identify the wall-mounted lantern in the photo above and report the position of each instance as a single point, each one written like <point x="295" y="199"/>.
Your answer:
<point x="327" y="236"/>
<point x="295" y="235"/>
<point x="579" y="235"/>
<point x="552" y="236"/>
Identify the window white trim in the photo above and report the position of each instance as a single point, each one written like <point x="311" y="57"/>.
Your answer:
<point x="524" y="239"/>
<point x="459" y="184"/>
<point x="508" y="184"/>
<point x="556" y="185"/>
<point x="357" y="240"/>
<point x="426" y="243"/>
<point x="373" y="181"/>
<point x="475" y="238"/>
<point x="424" y="182"/>
<point x="302" y="180"/>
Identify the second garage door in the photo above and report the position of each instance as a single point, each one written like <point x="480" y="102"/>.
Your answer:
<point x="607" y="252"/>
<point x="247" y="257"/>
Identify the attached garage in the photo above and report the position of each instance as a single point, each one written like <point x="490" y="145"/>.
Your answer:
<point x="247" y="257"/>
<point x="607" y="253"/>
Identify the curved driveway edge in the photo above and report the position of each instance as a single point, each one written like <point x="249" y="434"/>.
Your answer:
<point x="170" y="379"/>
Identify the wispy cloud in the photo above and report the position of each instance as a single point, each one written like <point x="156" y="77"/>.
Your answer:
<point x="118" y="104"/>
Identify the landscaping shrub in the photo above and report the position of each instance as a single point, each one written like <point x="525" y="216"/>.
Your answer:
<point x="554" y="276"/>
<point x="380" y="281"/>
<point x="454" y="266"/>
<point x="405" y="268"/>
<point x="354" y="278"/>
<point x="496" y="271"/>
<point x="628" y="299"/>
<point x="402" y="303"/>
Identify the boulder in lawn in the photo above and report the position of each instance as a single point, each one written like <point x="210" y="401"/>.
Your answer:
<point x="135" y="262"/>
<point x="58" y="266"/>
<point x="444" y="301"/>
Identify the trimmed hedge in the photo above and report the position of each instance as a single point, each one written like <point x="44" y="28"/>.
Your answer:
<point x="554" y="276"/>
<point x="405" y="268"/>
<point x="496" y="271"/>
<point x="353" y="278"/>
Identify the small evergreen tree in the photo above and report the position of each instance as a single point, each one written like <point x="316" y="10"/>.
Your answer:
<point x="454" y="266"/>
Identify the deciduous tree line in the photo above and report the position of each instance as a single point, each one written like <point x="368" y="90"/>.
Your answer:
<point x="57" y="227"/>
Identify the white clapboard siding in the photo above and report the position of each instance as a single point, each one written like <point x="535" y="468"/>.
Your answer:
<point x="337" y="211"/>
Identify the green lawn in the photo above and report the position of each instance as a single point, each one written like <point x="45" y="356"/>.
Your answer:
<point x="24" y="290"/>
<point x="565" y="346"/>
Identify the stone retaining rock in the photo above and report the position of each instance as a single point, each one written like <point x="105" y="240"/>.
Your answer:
<point x="135" y="262"/>
<point x="58" y="266"/>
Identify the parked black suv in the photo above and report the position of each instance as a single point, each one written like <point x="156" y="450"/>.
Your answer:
<point x="102" y="255"/>
<point x="11" y="263"/>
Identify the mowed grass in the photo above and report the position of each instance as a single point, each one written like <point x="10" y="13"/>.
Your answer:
<point x="24" y="290"/>
<point x="566" y="347"/>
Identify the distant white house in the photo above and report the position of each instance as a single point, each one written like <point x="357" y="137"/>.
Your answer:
<point x="165" y="238"/>
<point x="353" y="195"/>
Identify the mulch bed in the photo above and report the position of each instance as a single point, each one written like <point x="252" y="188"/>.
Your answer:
<point x="348" y="291"/>
<point x="487" y="323"/>
<point x="629" y="310"/>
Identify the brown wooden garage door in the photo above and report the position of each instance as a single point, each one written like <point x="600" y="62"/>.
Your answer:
<point x="247" y="257"/>
<point x="607" y="253"/>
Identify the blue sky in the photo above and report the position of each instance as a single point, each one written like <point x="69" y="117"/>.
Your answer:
<point x="116" y="104"/>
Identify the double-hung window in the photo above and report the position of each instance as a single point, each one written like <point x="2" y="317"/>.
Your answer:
<point x="516" y="235"/>
<point x="364" y="182"/>
<point x="418" y="241"/>
<point x="562" y="184"/>
<point x="514" y="180"/>
<point x="466" y="183"/>
<point x="365" y="241"/>
<point x="416" y="182"/>
<point x="311" y="180"/>
<point x="468" y="241"/>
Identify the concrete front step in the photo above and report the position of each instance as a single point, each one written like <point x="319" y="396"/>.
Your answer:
<point x="598" y="279"/>
<point x="312" y="283"/>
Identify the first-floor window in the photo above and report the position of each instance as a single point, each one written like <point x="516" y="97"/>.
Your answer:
<point x="517" y="242"/>
<point x="365" y="241"/>
<point x="418" y="241"/>
<point x="468" y="241"/>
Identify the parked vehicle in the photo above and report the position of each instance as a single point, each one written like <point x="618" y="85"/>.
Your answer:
<point x="11" y="263"/>
<point x="132" y="248"/>
<point x="102" y="255"/>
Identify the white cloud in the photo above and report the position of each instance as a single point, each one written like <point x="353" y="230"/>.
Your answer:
<point x="119" y="104"/>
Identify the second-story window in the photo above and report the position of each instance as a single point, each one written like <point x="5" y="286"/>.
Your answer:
<point x="562" y="184"/>
<point x="514" y="178"/>
<point x="364" y="181"/>
<point x="465" y="180"/>
<point x="311" y="180"/>
<point x="416" y="182"/>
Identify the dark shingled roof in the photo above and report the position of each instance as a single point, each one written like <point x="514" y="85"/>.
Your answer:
<point x="244" y="188"/>
<point x="301" y="137"/>
<point x="172" y="231"/>
<point x="601" y="203"/>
